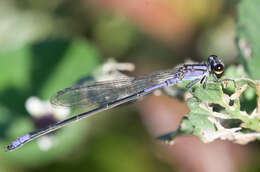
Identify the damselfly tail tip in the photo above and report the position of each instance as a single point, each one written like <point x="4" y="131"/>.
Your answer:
<point x="9" y="148"/>
<point x="14" y="145"/>
<point x="18" y="143"/>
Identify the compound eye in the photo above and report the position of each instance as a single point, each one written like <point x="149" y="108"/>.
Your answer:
<point x="218" y="69"/>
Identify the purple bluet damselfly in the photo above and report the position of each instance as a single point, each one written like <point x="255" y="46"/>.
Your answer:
<point x="100" y="96"/>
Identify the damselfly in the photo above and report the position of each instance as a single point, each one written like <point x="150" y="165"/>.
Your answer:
<point x="100" y="96"/>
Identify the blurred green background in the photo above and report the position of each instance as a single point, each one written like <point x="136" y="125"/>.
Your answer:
<point x="46" y="46"/>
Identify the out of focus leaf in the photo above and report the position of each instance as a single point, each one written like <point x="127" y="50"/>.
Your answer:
<point x="15" y="68"/>
<point x="79" y="60"/>
<point x="114" y="31"/>
<point x="54" y="65"/>
<point x="248" y="36"/>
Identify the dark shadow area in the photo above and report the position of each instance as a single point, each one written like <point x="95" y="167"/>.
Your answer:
<point x="248" y="105"/>
<point x="45" y="56"/>
<point x="14" y="99"/>
<point x="7" y="119"/>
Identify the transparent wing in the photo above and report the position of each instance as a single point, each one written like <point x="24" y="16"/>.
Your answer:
<point x="101" y="93"/>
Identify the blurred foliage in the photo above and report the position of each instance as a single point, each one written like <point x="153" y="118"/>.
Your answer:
<point x="248" y="37"/>
<point x="48" y="64"/>
<point x="125" y="40"/>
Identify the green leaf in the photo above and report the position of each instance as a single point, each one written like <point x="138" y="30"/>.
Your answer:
<point x="186" y="126"/>
<point x="199" y="117"/>
<point x="212" y="111"/>
<point x="211" y="94"/>
<point x="248" y="35"/>
<point x="79" y="60"/>
<point x="15" y="80"/>
<point x="15" y="66"/>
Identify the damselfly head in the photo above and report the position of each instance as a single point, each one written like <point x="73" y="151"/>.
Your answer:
<point x="216" y="65"/>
